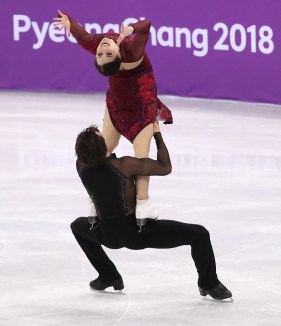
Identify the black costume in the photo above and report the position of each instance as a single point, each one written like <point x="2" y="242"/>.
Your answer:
<point x="112" y="188"/>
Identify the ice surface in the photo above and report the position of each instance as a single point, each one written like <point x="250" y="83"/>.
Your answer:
<point x="226" y="176"/>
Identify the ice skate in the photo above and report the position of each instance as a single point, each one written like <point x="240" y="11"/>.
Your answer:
<point x="94" y="221"/>
<point x="220" y="292"/>
<point x="145" y="212"/>
<point x="92" y="217"/>
<point x="99" y="285"/>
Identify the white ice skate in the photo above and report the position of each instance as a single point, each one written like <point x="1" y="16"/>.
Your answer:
<point x="145" y="212"/>
<point x="92" y="217"/>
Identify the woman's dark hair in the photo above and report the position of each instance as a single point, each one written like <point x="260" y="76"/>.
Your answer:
<point x="109" y="69"/>
<point x="90" y="148"/>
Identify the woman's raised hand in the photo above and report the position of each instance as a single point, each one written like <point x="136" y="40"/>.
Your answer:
<point x="125" y="31"/>
<point x="63" y="22"/>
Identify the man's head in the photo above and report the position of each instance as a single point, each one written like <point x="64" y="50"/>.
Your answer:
<point x="90" y="147"/>
<point x="108" y="58"/>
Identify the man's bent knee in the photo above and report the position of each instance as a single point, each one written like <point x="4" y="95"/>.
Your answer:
<point x="78" y="223"/>
<point x="203" y="233"/>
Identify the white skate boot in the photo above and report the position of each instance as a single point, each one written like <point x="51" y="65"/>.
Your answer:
<point x="92" y="217"/>
<point x="145" y="212"/>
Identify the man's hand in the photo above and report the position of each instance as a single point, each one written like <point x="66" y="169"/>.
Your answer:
<point x="63" y="22"/>
<point x="125" y="31"/>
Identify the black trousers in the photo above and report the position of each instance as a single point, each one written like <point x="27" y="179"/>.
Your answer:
<point x="123" y="232"/>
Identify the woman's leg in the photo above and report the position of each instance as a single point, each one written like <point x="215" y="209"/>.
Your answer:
<point x="110" y="134"/>
<point x="142" y="148"/>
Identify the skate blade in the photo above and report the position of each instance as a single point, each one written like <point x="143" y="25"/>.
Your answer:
<point x="144" y="221"/>
<point x="209" y="298"/>
<point x="110" y="292"/>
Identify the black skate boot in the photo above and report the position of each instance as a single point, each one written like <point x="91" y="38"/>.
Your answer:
<point x="220" y="292"/>
<point x="99" y="285"/>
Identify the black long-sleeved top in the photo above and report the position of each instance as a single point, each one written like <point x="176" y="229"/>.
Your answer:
<point x="112" y="185"/>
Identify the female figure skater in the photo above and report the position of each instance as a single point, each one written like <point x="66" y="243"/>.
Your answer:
<point x="132" y="104"/>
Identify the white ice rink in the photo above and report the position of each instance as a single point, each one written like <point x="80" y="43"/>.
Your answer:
<point x="226" y="176"/>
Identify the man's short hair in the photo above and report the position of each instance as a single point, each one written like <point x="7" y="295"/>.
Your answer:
<point x="90" y="148"/>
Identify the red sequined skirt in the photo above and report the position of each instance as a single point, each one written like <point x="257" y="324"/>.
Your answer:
<point x="132" y="101"/>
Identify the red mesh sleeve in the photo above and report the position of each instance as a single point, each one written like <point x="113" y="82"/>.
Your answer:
<point x="137" y="47"/>
<point x="88" y="41"/>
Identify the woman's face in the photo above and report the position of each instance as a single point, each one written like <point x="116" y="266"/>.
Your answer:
<point x="107" y="51"/>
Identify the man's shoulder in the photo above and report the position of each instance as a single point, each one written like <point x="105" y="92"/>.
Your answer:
<point x="124" y="158"/>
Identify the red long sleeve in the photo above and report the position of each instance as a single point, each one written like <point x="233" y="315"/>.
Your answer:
<point x="134" y="51"/>
<point x="132" y="48"/>
<point x="88" y="41"/>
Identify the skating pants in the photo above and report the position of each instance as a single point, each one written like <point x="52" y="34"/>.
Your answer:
<point x="123" y="232"/>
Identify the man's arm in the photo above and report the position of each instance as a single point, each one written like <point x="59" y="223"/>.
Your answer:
<point x="131" y="166"/>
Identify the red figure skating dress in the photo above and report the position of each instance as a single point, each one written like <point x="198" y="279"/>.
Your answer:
<point x="132" y="95"/>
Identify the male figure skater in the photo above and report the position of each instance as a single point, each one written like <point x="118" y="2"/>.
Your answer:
<point x="110" y="182"/>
